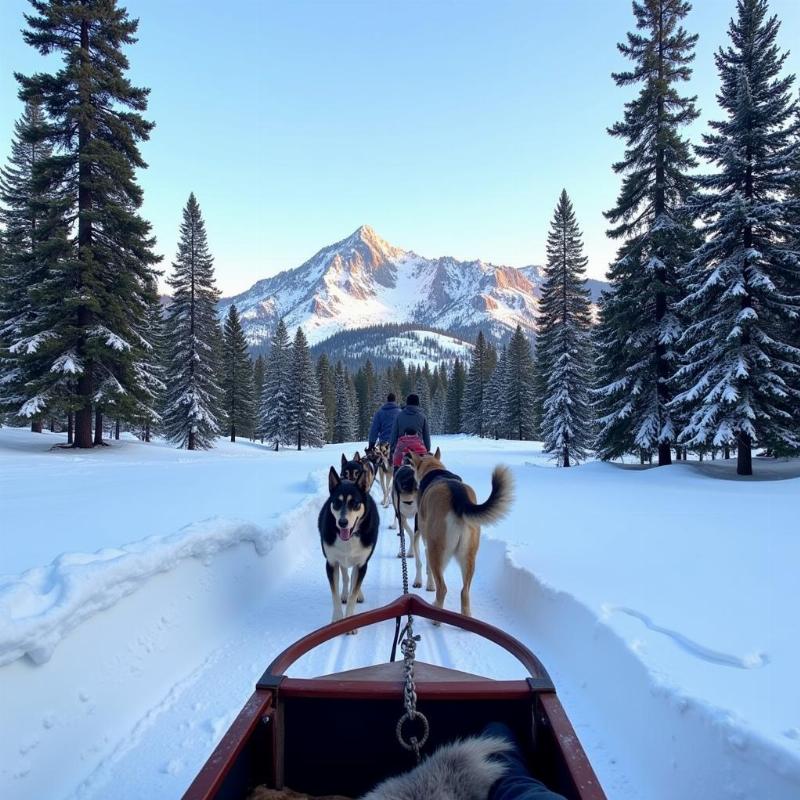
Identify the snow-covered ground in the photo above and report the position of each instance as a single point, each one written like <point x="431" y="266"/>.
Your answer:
<point x="144" y="590"/>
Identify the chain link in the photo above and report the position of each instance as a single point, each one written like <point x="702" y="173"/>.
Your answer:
<point x="408" y="644"/>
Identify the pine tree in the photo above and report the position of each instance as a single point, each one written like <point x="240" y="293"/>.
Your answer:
<point x="24" y="263"/>
<point x="193" y="394"/>
<point x="326" y="379"/>
<point x="494" y="401"/>
<point x="343" y="429"/>
<point x="237" y="380"/>
<point x="306" y="417"/>
<point x="455" y="397"/>
<point x="480" y="372"/>
<point x="274" y="415"/>
<point x="422" y="389"/>
<point x="259" y="379"/>
<point x="563" y="347"/>
<point x="742" y="288"/>
<point x="93" y="305"/>
<point x="519" y="388"/>
<point x="640" y="326"/>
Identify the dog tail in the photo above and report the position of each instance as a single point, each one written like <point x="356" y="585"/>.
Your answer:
<point x="497" y="504"/>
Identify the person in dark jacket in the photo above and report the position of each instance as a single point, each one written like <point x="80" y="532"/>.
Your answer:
<point x="381" y="428"/>
<point x="412" y="417"/>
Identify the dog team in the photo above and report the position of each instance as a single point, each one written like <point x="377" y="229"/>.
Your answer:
<point x="431" y="504"/>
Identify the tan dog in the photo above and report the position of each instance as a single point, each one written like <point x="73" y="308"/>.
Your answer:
<point x="381" y="459"/>
<point x="450" y="522"/>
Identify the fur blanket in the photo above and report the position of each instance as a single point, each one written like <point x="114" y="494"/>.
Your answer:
<point x="463" y="770"/>
<point x="459" y="771"/>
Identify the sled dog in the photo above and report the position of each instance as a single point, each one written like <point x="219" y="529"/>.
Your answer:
<point x="352" y="469"/>
<point x="450" y="522"/>
<point x="380" y="456"/>
<point x="348" y="529"/>
<point x="404" y="502"/>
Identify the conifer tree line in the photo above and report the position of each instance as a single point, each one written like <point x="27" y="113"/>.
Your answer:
<point x="695" y="345"/>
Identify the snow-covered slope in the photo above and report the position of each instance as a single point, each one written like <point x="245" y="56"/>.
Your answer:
<point x="364" y="281"/>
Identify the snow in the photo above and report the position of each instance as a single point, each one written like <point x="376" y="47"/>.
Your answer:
<point x="149" y="587"/>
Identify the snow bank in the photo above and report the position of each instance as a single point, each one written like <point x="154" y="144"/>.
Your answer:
<point x="41" y="606"/>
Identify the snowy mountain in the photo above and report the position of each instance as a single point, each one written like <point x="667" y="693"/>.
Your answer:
<point x="363" y="281"/>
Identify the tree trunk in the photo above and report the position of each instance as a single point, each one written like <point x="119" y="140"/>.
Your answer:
<point x="98" y="427"/>
<point x="233" y="433"/>
<point x="116" y="430"/>
<point x="566" y="456"/>
<point x="70" y="427"/>
<point x="299" y="440"/>
<point x="726" y="453"/>
<point x="147" y="431"/>
<point x="744" y="455"/>
<point x="190" y="445"/>
<point x="36" y="426"/>
<point x="52" y="425"/>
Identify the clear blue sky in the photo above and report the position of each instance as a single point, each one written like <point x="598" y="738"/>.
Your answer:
<point x="450" y="127"/>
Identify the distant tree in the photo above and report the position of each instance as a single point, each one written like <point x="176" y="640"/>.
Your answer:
<point x="24" y="265"/>
<point x="495" y="411"/>
<point x="237" y="381"/>
<point x="480" y="372"/>
<point x="326" y="378"/>
<point x="519" y="387"/>
<point x="274" y="414"/>
<point x="193" y="395"/>
<point x="422" y="389"/>
<point x="742" y="289"/>
<point x="306" y="417"/>
<point x="455" y="397"/>
<point x="639" y="327"/>
<point x="344" y="427"/>
<point x="259" y="381"/>
<point x="563" y="345"/>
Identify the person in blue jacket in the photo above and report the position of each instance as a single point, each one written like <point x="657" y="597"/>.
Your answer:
<point x="383" y="421"/>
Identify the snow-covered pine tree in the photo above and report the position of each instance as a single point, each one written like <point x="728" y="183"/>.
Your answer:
<point x="259" y="378"/>
<point x="484" y="358"/>
<point x="306" y="416"/>
<point x="237" y="378"/>
<point x="24" y="262"/>
<point x="274" y="415"/>
<point x="639" y="329"/>
<point x="455" y="397"/>
<point x="563" y="345"/>
<point x="741" y="285"/>
<point x="344" y="424"/>
<point x="94" y="304"/>
<point x="193" y="394"/>
<point x="422" y="388"/>
<point x="519" y="388"/>
<point x="326" y="379"/>
<point x="494" y="400"/>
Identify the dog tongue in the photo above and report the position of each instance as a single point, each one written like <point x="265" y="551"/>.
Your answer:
<point x="345" y="533"/>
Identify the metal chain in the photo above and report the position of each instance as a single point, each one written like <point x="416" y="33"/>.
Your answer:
<point x="408" y="645"/>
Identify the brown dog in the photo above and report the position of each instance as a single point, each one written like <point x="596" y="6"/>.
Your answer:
<point x="450" y="522"/>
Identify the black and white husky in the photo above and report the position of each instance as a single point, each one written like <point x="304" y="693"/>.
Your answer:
<point x="348" y="529"/>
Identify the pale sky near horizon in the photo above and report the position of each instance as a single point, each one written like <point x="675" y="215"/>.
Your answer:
<point x="449" y="127"/>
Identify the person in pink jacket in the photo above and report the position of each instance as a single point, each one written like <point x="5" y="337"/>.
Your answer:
<point x="409" y="442"/>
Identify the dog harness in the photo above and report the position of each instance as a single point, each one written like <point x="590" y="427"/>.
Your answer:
<point x="436" y="475"/>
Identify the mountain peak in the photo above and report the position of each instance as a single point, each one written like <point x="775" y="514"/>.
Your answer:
<point x="366" y="240"/>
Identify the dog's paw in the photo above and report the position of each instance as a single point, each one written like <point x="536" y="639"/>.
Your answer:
<point x="360" y="598"/>
<point x="417" y="584"/>
<point x="352" y="632"/>
<point x="430" y="588"/>
<point x="344" y="599"/>
<point x="437" y="623"/>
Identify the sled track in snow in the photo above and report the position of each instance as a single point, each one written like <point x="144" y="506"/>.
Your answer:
<point x="644" y="738"/>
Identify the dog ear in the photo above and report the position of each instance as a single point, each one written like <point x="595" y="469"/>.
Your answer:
<point x="438" y="454"/>
<point x="344" y="463"/>
<point x="357" y="457"/>
<point x="333" y="479"/>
